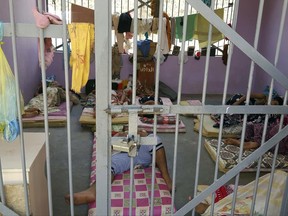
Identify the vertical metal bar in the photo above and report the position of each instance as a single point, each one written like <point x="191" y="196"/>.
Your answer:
<point x="181" y="68"/>
<point x="2" y="194"/>
<point x="156" y="99"/>
<point x="284" y="206"/>
<point x="252" y="66"/>
<point x="103" y="122"/>
<point x="135" y="30"/>
<point x="16" y="74"/>
<point x="203" y="101"/>
<point x="44" y="86"/>
<point x="172" y="12"/>
<point x="278" y="46"/>
<point x="179" y="4"/>
<point x="231" y="48"/>
<point x="65" y="53"/>
<point x="259" y="18"/>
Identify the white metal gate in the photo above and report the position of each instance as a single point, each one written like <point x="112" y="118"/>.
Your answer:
<point x="104" y="108"/>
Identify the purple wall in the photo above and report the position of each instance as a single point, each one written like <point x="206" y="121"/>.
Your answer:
<point x="268" y="42"/>
<point x="193" y="75"/>
<point x="28" y="69"/>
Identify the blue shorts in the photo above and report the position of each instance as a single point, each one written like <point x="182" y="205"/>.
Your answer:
<point x="121" y="162"/>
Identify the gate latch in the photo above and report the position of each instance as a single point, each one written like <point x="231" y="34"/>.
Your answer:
<point x="130" y="144"/>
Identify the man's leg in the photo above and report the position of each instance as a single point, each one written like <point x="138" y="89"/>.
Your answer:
<point x="86" y="196"/>
<point x="161" y="163"/>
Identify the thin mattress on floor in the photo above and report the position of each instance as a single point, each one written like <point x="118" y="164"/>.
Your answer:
<point x="229" y="156"/>
<point x="120" y="192"/>
<point x="55" y="119"/>
<point x="211" y="132"/>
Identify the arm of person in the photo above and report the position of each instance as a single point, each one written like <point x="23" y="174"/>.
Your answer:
<point x="258" y="96"/>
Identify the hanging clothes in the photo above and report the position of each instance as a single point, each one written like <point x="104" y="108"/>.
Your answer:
<point x="168" y="29"/>
<point x="119" y="36"/>
<point x="202" y="29"/>
<point x="179" y="22"/>
<point x="9" y="124"/>
<point x="82" y="43"/>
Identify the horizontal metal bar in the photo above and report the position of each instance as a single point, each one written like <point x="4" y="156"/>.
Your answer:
<point x="137" y="108"/>
<point x="31" y="30"/>
<point x="205" y="109"/>
<point x="6" y="211"/>
<point x="143" y="140"/>
<point x="234" y="171"/>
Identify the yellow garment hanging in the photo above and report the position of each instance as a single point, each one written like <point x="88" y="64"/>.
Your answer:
<point x="82" y="42"/>
<point x="202" y="29"/>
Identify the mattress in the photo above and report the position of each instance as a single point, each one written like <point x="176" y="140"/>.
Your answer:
<point x="211" y="132"/>
<point x="55" y="119"/>
<point x="229" y="156"/>
<point x="190" y="103"/>
<point x="87" y="118"/>
<point x="162" y="128"/>
<point x="120" y="192"/>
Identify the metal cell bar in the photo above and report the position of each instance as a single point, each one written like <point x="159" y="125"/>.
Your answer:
<point x="243" y="45"/>
<point x="2" y="194"/>
<point x="16" y="74"/>
<point x="160" y="25"/>
<point x="65" y="54"/>
<point x="207" y="109"/>
<point x="6" y="211"/>
<point x="284" y="206"/>
<point x="204" y="92"/>
<point x="135" y="30"/>
<point x="46" y="126"/>
<point x="227" y="74"/>
<point x="185" y="21"/>
<point x="252" y="66"/>
<point x="103" y="121"/>
<point x="234" y="171"/>
<point x="280" y="35"/>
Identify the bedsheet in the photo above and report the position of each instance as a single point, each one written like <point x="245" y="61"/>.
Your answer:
<point x="55" y="119"/>
<point x="190" y="103"/>
<point x="229" y="156"/>
<point x="212" y="132"/>
<point x="245" y="197"/>
<point x="120" y="190"/>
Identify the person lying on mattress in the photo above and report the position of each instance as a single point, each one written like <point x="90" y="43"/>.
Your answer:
<point x="255" y="99"/>
<point x="239" y="99"/>
<point x="56" y="95"/>
<point x="253" y="136"/>
<point x="120" y="163"/>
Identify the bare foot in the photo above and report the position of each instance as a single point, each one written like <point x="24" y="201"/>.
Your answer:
<point x="82" y="197"/>
<point x="201" y="207"/>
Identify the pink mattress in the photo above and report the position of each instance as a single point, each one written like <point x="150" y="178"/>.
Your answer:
<point x="141" y="196"/>
<point x="62" y="112"/>
<point x="162" y="128"/>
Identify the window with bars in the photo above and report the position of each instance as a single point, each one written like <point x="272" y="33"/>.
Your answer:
<point x="173" y="8"/>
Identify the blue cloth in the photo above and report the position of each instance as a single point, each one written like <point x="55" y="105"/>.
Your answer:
<point x="266" y="92"/>
<point x="1" y="31"/>
<point x="120" y="162"/>
<point x="144" y="46"/>
<point x="11" y="131"/>
<point x="207" y="2"/>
